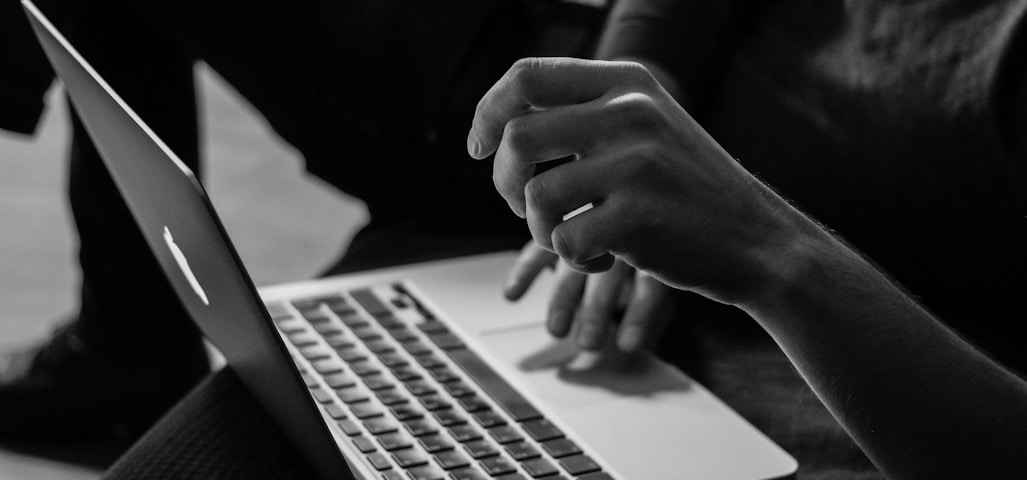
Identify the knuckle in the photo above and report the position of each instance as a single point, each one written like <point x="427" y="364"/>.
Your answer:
<point x="524" y="73"/>
<point x="537" y="194"/>
<point x="517" y="136"/>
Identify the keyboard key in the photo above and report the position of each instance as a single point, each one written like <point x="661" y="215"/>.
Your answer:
<point x="433" y="326"/>
<point x="364" y="444"/>
<point x="303" y="338"/>
<point x="365" y="368"/>
<point x="391" y="360"/>
<point x="479" y="449"/>
<point x="316" y="352"/>
<point x="379" y="347"/>
<point x="367" y="299"/>
<point x="435" y="443"/>
<point x="560" y="447"/>
<point x="464" y="433"/>
<point x="326" y="366"/>
<point x="395" y="441"/>
<point x="406" y="374"/>
<point x="513" y="476"/>
<point x="452" y="459"/>
<point x="434" y="402"/>
<point x="426" y="472"/>
<point x="403" y="334"/>
<point x="305" y="304"/>
<point x="341" y="309"/>
<point x="340" y="380"/>
<point x="450" y="417"/>
<point x="419" y="427"/>
<point x="506" y="396"/>
<point x="489" y="418"/>
<point x="458" y="389"/>
<point x="522" y="451"/>
<point x="505" y="434"/>
<point x="446" y="341"/>
<point x="379" y="461"/>
<point x="410" y="457"/>
<point x="327" y="329"/>
<point x="496" y="466"/>
<point x="473" y="403"/>
<point x="335" y="411"/>
<point x="394" y="475"/>
<point x="420" y="387"/>
<point x="310" y="381"/>
<point x="578" y="464"/>
<point x="351" y="355"/>
<point x="416" y="347"/>
<point x="467" y="473"/>
<point x="277" y="311"/>
<point x="596" y="476"/>
<point x="406" y="412"/>
<point x="366" y="410"/>
<point x="378" y="382"/>
<point x="380" y="425"/>
<point x="352" y="395"/>
<point x="389" y="322"/>
<point x="322" y="395"/>
<point x="349" y="427"/>
<point x="339" y="341"/>
<point x="541" y="430"/>
<point x="354" y="321"/>
<point x="539" y="467"/>
<point x="391" y="397"/>
<point x="366" y="333"/>
<point x="429" y="361"/>
<point x="443" y="375"/>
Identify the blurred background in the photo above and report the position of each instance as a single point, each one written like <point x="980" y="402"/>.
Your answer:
<point x="286" y="225"/>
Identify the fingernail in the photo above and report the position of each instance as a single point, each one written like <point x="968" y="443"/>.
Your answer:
<point x="473" y="147"/>
<point x="588" y="337"/>
<point x="630" y="339"/>
<point x="510" y="289"/>
<point x="557" y="323"/>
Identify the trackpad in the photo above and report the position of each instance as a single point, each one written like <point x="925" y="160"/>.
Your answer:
<point x="559" y="373"/>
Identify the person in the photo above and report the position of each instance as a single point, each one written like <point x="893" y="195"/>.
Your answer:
<point x="668" y="200"/>
<point x="889" y="122"/>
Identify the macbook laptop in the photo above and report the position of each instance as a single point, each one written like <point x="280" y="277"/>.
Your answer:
<point x="419" y="372"/>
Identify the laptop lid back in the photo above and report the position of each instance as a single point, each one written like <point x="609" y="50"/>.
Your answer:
<point x="187" y="238"/>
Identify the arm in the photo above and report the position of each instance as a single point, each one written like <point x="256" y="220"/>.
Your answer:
<point x="669" y="201"/>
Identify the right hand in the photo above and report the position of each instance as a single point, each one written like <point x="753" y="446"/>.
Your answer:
<point x="622" y="302"/>
<point x="667" y="199"/>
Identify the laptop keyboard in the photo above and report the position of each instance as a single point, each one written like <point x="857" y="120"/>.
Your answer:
<point x="414" y="399"/>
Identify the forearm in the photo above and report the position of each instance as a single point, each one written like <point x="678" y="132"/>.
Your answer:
<point x="919" y="400"/>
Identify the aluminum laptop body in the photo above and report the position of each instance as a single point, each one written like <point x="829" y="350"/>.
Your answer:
<point x="522" y="392"/>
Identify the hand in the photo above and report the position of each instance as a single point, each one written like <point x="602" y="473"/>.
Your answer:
<point x="622" y="301"/>
<point x="667" y="199"/>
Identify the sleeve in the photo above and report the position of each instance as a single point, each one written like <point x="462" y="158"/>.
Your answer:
<point x="690" y="39"/>
<point x="27" y="74"/>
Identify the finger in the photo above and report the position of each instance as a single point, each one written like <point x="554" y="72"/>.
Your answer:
<point x="530" y="262"/>
<point x="555" y="134"/>
<point x="598" y="310"/>
<point x="565" y="300"/>
<point x="554" y="194"/>
<point x="543" y="83"/>
<point x="647" y="313"/>
<point x="586" y="241"/>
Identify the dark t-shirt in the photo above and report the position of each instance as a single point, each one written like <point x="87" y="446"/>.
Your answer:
<point x="893" y="123"/>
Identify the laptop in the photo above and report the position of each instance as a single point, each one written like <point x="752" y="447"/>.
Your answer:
<point x="418" y="372"/>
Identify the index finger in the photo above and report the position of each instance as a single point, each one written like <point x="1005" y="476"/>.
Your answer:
<point x="543" y="83"/>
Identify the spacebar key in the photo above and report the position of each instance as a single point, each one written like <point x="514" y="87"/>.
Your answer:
<point x="509" y="399"/>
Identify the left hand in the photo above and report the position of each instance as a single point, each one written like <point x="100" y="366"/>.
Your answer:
<point x="629" y="305"/>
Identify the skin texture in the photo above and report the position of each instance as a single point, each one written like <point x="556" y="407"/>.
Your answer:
<point x="670" y="202"/>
